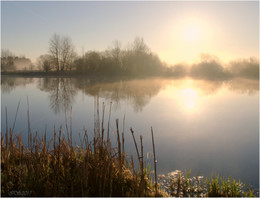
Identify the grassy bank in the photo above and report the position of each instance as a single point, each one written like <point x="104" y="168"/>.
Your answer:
<point x="92" y="169"/>
<point x="58" y="167"/>
<point x="178" y="184"/>
<point x="41" y="74"/>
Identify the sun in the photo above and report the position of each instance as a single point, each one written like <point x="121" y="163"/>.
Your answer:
<point x="191" y="29"/>
<point x="191" y="32"/>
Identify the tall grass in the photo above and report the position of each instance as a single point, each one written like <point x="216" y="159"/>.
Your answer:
<point x="58" y="168"/>
<point x="177" y="184"/>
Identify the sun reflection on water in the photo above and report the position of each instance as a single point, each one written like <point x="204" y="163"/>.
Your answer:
<point x="189" y="97"/>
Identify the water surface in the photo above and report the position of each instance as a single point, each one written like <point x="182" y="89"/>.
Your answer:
<point x="206" y="126"/>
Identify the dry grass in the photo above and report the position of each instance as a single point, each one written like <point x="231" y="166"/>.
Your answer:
<point x="92" y="169"/>
<point x="57" y="168"/>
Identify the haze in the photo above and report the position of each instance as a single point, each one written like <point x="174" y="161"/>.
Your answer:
<point x="176" y="31"/>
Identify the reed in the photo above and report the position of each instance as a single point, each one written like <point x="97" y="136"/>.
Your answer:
<point x="57" y="167"/>
<point x="6" y="119"/>
<point x="119" y="150"/>
<point x="66" y="124"/>
<point x="109" y="122"/>
<point x="103" y="117"/>
<point x="29" y="127"/>
<point x="154" y="161"/>
<point x="123" y="141"/>
<point x="71" y="126"/>
<point x="16" y="114"/>
<point x="142" y="169"/>
<point x="136" y="148"/>
<point x="186" y="186"/>
<point x="93" y="169"/>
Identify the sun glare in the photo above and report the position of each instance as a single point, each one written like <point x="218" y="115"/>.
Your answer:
<point x="191" y="33"/>
<point x="191" y="29"/>
<point x="189" y="98"/>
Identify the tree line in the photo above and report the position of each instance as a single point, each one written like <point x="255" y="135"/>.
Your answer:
<point x="136" y="59"/>
<point x="11" y="62"/>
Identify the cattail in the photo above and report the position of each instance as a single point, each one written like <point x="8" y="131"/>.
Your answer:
<point x="135" y="175"/>
<point x="98" y="121"/>
<point x="29" y="128"/>
<point x="81" y="142"/>
<point x="123" y="140"/>
<point x="123" y="147"/>
<point x="66" y="124"/>
<point x="71" y="126"/>
<point x="54" y="139"/>
<point x="103" y="115"/>
<point x="136" y="148"/>
<point x="142" y="168"/>
<point x="16" y="114"/>
<point x="119" y="150"/>
<point x="6" y="119"/>
<point x="154" y="160"/>
<point x="109" y="122"/>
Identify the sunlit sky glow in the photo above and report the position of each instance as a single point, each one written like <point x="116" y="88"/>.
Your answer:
<point x="177" y="31"/>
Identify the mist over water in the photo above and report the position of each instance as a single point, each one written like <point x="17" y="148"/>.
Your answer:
<point x="66" y="66"/>
<point x="206" y="126"/>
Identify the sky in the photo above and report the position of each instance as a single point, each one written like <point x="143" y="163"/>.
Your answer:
<point x="177" y="31"/>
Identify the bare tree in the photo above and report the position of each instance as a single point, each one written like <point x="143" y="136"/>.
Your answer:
<point x="45" y="62"/>
<point x="10" y="62"/>
<point x="139" y="46"/>
<point x="116" y="49"/>
<point x="7" y="60"/>
<point x="62" y="51"/>
<point x="114" y="52"/>
<point x="5" y="53"/>
<point x="67" y="54"/>
<point x="55" y="50"/>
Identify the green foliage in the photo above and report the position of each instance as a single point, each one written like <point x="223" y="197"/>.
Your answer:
<point x="213" y="187"/>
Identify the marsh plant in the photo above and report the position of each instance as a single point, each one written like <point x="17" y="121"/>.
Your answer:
<point x="57" y="167"/>
<point x="178" y="184"/>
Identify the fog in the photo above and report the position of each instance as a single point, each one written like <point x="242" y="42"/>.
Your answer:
<point x="137" y="93"/>
<point x="210" y="68"/>
<point x="134" y="60"/>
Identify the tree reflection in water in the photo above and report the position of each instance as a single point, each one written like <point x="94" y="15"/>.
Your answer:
<point x="61" y="92"/>
<point x="8" y="84"/>
<point x="136" y="93"/>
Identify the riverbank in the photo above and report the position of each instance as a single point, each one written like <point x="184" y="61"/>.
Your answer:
<point x="75" y="74"/>
<point x="58" y="167"/>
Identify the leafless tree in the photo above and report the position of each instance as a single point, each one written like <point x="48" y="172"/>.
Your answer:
<point x="62" y="51"/>
<point x="116" y="49"/>
<point x="55" y="49"/>
<point x="114" y="52"/>
<point x="45" y="62"/>
<point x="67" y="54"/>
<point x="5" y="53"/>
<point x="139" y="46"/>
